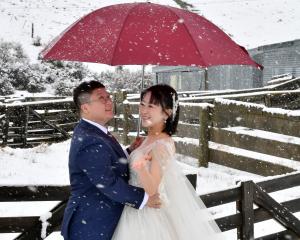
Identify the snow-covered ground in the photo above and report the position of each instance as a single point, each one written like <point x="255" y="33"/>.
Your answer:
<point x="251" y="23"/>
<point x="47" y="165"/>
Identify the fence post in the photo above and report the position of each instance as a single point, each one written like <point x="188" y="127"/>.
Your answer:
<point x="121" y="96"/>
<point x="116" y="112"/>
<point x="204" y="120"/>
<point x="247" y="212"/>
<point x="267" y="100"/>
<point x="126" y="125"/>
<point x="5" y="127"/>
<point x="25" y="117"/>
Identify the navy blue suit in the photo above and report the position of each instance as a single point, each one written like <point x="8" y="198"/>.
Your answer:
<point x="99" y="189"/>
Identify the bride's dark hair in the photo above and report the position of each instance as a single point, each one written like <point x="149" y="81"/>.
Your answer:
<point x="167" y="97"/>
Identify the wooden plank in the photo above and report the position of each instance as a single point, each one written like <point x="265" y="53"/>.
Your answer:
<point x="256" y="144"/>
<point x="16" y="224"/>
<point x="44" y="135"/>
<point x="187" y="149"/>
<point x="261" y="214"/>
<point x="63" y="132"/>
<point x="247" y="164"/>
<point x="188" y="130"/>
<point x="189" y="113"/>
<point x="234" y="194"/>
<point x="221" y="197"/>
<point x="280" y="183"/>
<point x="34" y="231"/>
<point x="277" y="210"/>
<point x="235" y="220"/>
<point x="247" y="230"/>
<point x="254" y="117"/>
<point x="34" y="193"/>
<point x="46" y="105"/>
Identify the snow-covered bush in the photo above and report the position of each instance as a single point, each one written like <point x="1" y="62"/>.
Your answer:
<point x="125" y="79"/>
<point x="14" y="67"/>
<point x="11" y="53"/>
<point x="5" y="86"/>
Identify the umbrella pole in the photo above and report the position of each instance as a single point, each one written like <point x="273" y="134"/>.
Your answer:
<point x="205" y="79"/>
<point x="142" y="88"/>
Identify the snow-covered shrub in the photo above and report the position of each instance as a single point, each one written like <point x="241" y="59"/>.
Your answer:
<point x="36" y="84"/>
<point x="11" y="53"/>
<point x="14" y="67"/>
<point x="125" y="79"/>
<point x="19" y="75"/>
<point x="65" y="88"/>
<point x="6" y="87"/>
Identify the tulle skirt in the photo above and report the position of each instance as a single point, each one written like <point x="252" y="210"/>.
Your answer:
<point x="183" y="216"/>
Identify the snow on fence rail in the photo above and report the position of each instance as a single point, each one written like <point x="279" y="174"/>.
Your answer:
<point x="243" y="196"/>
<point x="284" y="95"/>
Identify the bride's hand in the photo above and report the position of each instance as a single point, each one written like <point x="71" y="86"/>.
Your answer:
<point x="141" y="163"/>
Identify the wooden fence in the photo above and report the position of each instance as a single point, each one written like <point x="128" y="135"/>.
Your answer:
<point x="283" y="95"/>
<point x="27" y="124"/>
<point x="243" y="196"/>
<point x="248" y="137"/>
<point x="236" y="134"/>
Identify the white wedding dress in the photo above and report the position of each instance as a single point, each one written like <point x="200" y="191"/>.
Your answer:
<point x="182" y="216"/>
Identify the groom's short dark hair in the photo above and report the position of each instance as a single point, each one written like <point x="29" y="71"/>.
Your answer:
<point x="83" y="91"/>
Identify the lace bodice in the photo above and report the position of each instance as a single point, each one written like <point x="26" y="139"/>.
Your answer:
<point x="162" y="150"/>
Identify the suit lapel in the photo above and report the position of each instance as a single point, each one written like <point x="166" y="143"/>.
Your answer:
<point x="109" y="140"/>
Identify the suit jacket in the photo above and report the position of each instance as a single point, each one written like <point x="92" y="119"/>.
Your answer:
<point x="99" y="176"/>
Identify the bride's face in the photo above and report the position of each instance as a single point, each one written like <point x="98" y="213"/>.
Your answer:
<point x="151" y="114"/>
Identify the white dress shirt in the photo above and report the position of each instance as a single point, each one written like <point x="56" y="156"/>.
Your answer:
<point x="104" y="129"/>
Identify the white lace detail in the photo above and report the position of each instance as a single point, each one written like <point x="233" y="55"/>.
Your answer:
<point x="182" y="216"/>
<point x="161" y="150"/>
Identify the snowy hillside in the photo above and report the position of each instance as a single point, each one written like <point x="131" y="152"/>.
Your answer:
<point x="250" y="23"/>
<point x="253" y="23"/>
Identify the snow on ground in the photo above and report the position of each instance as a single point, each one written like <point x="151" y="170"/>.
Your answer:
<point x="253" y="23"/>
<point x="47" y="165"/>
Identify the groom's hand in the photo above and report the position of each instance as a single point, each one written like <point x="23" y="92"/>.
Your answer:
<point x="154" y="201"/>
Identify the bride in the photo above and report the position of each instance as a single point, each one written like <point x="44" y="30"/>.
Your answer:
<point x="182" y="215"/>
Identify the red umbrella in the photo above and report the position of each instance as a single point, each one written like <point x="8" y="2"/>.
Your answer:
<point x="146" y="33"/>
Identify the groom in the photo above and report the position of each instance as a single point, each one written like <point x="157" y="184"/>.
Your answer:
<point x="98" y="171"/>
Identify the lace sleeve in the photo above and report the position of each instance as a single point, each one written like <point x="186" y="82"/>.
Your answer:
<point x="163" y="152"/>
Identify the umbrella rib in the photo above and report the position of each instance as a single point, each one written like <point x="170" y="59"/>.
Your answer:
<point x="189" y="34"/>
<point x="121" y="30"/>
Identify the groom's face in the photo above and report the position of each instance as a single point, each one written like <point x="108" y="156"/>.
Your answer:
<point x="99" y="108"/>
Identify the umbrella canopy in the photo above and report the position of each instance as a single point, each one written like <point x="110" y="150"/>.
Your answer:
<point x="146" y="33"/>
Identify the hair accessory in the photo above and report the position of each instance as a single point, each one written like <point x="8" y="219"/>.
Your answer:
<point x="175" y="106"/>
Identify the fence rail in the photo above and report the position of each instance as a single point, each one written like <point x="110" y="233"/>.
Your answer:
<point x="217" y="132"/>
<point x="244" y="196"/>
<point x="245" y="136"/>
